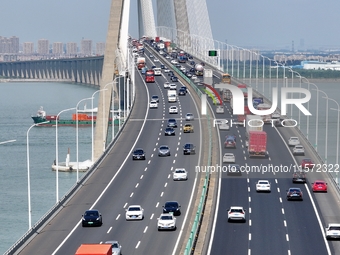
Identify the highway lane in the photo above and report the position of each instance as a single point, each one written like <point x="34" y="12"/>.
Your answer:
<point x="139" y="182"/>
<point x="273" y="224"/>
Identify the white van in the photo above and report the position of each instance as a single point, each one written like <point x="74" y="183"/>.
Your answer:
<point x="158" y="71"/>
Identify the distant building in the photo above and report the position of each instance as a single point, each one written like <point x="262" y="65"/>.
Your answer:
<point x="71" y="48"/>
<point x="100" y="48"/>
<point x="9" y="45"/>
<point x="57" y="48"/>
<point x="86" y="47"/>
<point x="28" y="48"/>
<point x="317" y="65"/>
<point x="43" y="48"/>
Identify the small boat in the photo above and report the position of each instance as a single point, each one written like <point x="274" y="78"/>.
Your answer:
<point x="68" y="166"/>
<point x="51" y="120"/>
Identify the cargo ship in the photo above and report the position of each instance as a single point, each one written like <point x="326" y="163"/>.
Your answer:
<point x="83" y="119"/>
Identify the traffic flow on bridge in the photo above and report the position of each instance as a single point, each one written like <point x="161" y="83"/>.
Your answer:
<point x="271" y="197"/>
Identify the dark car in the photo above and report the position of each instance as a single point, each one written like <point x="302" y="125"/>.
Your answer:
<point x="299" y="177"/>
<point x="174" y="78"/>
<point x="162" y="66"/>
<point x="171" y="73"/>
<point x="294" y="194"/>
<point x="231" y="136"/>
<point x="138" y="154"/>
<point x="185" y="88"/>
<point x="229" y="143"/>
<point x="182" y="92"/>
<point x="234" y="169"/>
<point x="188" y="74"/>
<point x="92" y="218"/>
<point x="172" y="123"/>
<point x="169" y="131"/>
<point x="189" y="148"/>
<point x="172" y="207"/>
<point x="192" y="63"/>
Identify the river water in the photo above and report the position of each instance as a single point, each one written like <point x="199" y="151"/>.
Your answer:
<point x="18" y="101"/>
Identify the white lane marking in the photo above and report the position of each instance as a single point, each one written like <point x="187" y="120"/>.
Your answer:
<point x="311" y="199"/>
<point x="284" y="223"/>
<point x="160" y="134"/>
<point x="287" y="237"/>
<point x="113" y="178"/>
<point x="278" y="190"/>
<point x="151" y="216"/>
<point x="151" y="157"/>
<point x="249" y="209"/>
<point x="166" y="184"/>
<point x="178" y="143"/>
<point x="280" y="199"/>
<point x="249" y="251"/>
<point x="145" y="169"/>
<point x="118" y="217"/>
<point x="248" y="180"/>
<point x="176" y="153"/>
<point x="146" y="228"/>
<point x="169" y="176"/>
<point x="150" y="160"/>
<point x="137" y="185"/>
<point x="248" y="189"/>
<point x="156" y="144"/>
<point x="141" y="177"/>
<point x="171" y="168"/>
<point x="177" y="149"/>
<point x="109" y="230"/>
<point x="174" y="161"/>
<point x="157" y="204"/>
<point x="158" y="138"/>
<point x="249" y="222"/>
<point x="125" y="205"/>
<point x="131" y="194"/>
<point x="276" y="181"/>
<point x="249" y="236"/>
<point x="283" y="211"/>
<point x="162" y="193"/>
<point x="288" y="252"/>
<point x="154" y="149"/>
<point x="137" y="244"/>
<point x="249" y="199"/>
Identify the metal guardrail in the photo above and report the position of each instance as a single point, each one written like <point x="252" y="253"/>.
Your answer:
<point x="45" y="218"/>
<point x="189" y="248"/>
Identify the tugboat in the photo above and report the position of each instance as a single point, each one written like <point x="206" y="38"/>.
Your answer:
<point x="51" y="120"/>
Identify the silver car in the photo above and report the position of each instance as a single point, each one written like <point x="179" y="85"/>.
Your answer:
<point x="220" y="109"/>
<point x="228" y="158"/>
<point x="116" y="247"/>
<point x="189" y="116"/>
<point x="164" y="151"/>
<point x="293" y="141"/>
<point x="180" y="174"/>
<point x="298" y="150"/>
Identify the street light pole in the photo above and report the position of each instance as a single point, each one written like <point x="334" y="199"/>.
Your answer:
<point x="326" y="97"/>
<point x="29" y="175"/>
<point x="56" y="149"/>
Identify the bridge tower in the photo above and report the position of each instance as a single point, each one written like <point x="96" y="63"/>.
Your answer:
<point x="114" y="67"/>
<point x="146" y="19"/>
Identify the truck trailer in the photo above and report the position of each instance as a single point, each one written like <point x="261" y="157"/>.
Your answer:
<point x="94" y="249"/>
<point x="257" y="146"/>
<point x="140" y="63"/>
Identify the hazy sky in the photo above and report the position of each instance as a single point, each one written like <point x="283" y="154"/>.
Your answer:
<point x="245" y="23"/>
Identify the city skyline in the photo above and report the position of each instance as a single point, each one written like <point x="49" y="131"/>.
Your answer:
<point x="261" y="24"/>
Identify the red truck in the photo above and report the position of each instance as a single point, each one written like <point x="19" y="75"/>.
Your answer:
<point x="257" y="146"/>
<point x="150" y="76"/>
<point x="94" y="249"/>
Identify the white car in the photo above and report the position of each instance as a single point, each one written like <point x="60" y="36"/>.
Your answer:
<point x="220" y="109"/>
<point x="228" y="158"/>
<point x="153" y="104"/>
<point x="189" y="116"/>
<point x="180" y="174"/>
<point x="224" y="125"/>
<point x="293" y="141"/>
<point x="194" y="77"/>
<point x="263" y="185"/>
<point x="333" y="231"/>
<point x="166" y="221"/>
<point x="156" y="60"/>
<point x="298" y="150"/>
<point x="173" y="86"/>
<point x="236" y="213"/>
<point x="166" y="85"/>
<point x="166" y="70"/>
<point x="134" y="212"/>
<point x="173" y="109"/>
<point x="276" y="115"/>
<point x="174" y="61"/>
